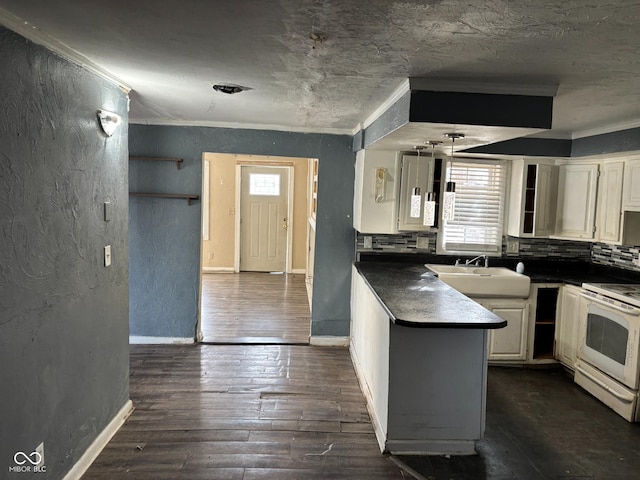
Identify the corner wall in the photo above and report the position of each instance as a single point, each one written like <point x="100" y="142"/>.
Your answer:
<point x="165" y="234"/>
<point x="64" y="354"/>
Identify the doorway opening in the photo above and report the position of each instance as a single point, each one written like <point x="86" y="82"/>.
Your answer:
<point x="257" y="249"/>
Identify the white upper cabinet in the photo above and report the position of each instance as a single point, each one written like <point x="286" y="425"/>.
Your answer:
<point x="377" y="184"/>
<point x="576" y="205"/>
<point x="631" y="199"/>
<point x="390" y="191"/>
<point x="532" y="199"/>
<point x="609" y="202"/>
<point x="589" y="203"/>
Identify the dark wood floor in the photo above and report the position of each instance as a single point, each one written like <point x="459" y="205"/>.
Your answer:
<point x="252" y="307"/>
<point x="542" y="426"/>
<point x="249" y="411"/>
<point x="283" y="412"/>
<point x="244" y="412"/>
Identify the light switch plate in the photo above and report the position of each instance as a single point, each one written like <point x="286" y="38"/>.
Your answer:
<point x="107" y="256"/>
<point x="368" y="242"/>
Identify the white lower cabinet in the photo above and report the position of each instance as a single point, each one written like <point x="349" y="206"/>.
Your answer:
<point x="567" y="328"/>
<point x="508" y="343"/>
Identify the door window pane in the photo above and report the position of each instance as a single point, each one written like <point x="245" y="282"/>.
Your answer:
<point x="264" y="184"/>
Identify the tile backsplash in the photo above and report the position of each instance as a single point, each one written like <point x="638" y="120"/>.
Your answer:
<point x="600" y="253"/>
<point x="615" y="256"/>
<point x="398" y="243"/>
<point x="548" y="248"/>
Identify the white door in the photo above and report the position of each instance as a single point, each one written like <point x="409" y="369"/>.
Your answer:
<point x="264" y="218"/>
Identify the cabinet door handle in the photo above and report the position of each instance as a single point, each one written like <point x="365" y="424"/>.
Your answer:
<point x="601" y="384"/>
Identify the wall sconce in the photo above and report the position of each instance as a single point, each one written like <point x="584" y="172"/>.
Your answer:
<point x="109" y="121"/>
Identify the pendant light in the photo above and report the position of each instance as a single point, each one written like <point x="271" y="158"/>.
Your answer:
<point x="416" y="193"/>
<point x="448" y="198"/>
<point x="429" y="214"/>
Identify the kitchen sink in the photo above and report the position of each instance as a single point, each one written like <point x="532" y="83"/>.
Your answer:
<point x="491" y="282"/>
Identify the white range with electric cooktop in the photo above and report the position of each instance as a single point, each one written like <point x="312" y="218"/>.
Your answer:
<point x="608" y="363"/>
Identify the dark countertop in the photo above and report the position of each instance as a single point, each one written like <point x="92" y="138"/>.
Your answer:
<point x="414" y="297"/>
<point x="540" y="270"/>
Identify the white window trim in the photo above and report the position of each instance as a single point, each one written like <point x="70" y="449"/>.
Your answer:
<point x="497" y="252"/>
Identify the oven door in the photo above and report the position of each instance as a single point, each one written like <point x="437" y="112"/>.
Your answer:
<point x="609" y="336"/>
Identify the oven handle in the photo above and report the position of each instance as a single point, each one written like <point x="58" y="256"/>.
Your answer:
<point x="600" y="383"/>
<point x="631" y="311"/>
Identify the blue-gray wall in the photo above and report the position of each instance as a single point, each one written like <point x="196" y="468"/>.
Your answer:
<point x="164" y="242"/>
<point x="64" y="355"/>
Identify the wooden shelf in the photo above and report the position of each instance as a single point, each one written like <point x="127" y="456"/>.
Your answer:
<point x="177" y="161"/>
<point x="184" y="196"/>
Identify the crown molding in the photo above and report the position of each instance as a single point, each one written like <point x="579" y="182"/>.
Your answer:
<point x="246" y="126"/>
<point x="397" y="94"/>
<point x="34" y="34"/>
<point x="604" y="130"/>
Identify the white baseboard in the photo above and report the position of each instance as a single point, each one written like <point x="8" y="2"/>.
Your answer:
<point x="99" y="443"/>
<point x="218" y="270"/>
<point x="135" y="340"/>
<point x="299" y="270"/>
<point x="329" y="341"/>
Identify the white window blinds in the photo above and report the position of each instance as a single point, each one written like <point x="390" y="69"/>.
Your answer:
<point x="478" y="214"/>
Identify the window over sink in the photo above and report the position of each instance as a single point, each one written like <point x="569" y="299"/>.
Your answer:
<point x="478" y="208"/>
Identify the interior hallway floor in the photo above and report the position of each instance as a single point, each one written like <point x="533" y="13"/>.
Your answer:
<point x="255" y="307"/>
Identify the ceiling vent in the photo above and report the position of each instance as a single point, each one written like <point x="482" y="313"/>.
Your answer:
<point x="229" y="89"/>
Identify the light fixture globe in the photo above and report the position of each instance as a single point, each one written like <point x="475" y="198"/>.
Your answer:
<point x="109" y="121"/>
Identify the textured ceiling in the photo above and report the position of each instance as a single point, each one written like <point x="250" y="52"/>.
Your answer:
<point x="327" y="65"/>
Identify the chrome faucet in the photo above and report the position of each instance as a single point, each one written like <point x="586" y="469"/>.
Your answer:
<point x="470" y="263"/>
<point x="477" y="261"/>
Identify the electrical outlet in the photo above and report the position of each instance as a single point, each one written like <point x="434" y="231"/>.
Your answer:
<point x="513" y="246"/>
<point x="368" y="242"/>
<point x="638" y="260"/>
<point x="107" y="256"/>
<point x="422" y="243"/>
